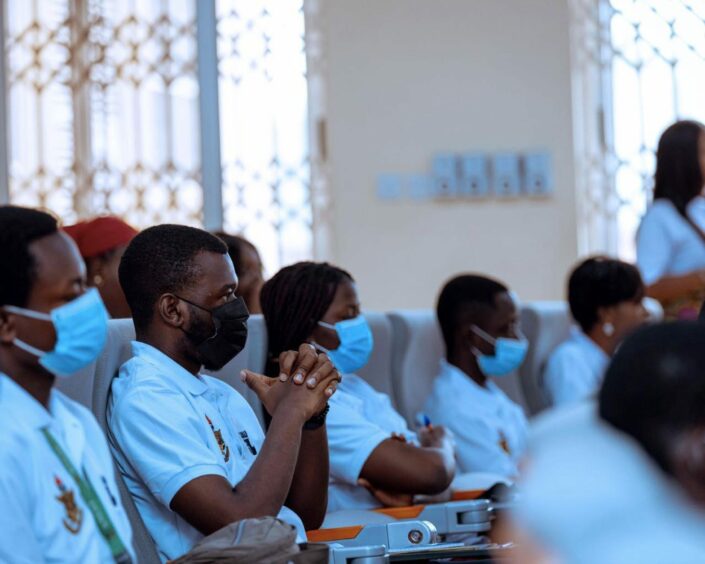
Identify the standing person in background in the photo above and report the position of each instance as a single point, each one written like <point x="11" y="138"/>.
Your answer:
<point x="248" y="267"/>
<point x="671" y="238"/>
<point x="102" y="242"/>
<point x="480" y="325"/>
<point x="375" y="459"/>
<point x="605" y="298"/>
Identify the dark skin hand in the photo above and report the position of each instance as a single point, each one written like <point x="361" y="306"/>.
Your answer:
<point x="60" y="279"/>
<point x="292" y="464"/>
<point x="673" y="287"/>
<point x="395" y="470"/>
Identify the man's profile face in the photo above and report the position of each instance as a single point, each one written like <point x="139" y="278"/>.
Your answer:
<point x="214" y="286"/>
<point x="60" y="278"/>
<point x="502" y="320"/>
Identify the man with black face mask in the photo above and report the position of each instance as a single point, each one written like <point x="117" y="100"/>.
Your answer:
<point x="189" y="446"/>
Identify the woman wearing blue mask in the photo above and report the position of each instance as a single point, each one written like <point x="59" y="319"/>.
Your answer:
<point x="480" y="325"/>
<point x="375" y="459"/>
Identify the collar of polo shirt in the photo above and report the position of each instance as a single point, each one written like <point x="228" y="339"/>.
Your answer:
<point x="177" y="375"/>
<point x="28" y="409"/>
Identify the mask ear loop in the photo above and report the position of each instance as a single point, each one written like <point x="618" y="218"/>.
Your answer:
<point x="38" y="315"/>
<point x="29" y="348"/>
<point x="28" y="313"/>
<point x="484" y="335"/>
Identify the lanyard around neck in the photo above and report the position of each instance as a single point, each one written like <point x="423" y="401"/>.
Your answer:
<point x="90" y="497"/>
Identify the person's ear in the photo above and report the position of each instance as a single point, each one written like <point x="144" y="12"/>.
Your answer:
<point x="8" y="330"/>
<point x="172" y="310"/>
<point x="689" y="463"/>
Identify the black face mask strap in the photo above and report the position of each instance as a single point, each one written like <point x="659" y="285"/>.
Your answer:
<point x="216" y="324"/>
<point x="193" y="304"/>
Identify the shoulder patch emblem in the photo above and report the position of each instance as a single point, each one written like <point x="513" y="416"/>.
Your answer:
<point x="224" y="448"/>
<point x="503" y="444"/>
<point x="74" y="514"/>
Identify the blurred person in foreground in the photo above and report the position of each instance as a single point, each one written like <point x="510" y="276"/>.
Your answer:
<point x="623" y="480"/>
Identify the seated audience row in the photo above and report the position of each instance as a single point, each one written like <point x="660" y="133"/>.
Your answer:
<point x="190" y="448"/>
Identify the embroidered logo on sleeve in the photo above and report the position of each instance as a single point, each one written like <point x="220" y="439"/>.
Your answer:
<point x="248" y="443"/>
<point x="224" y="448"/>
<point x="74" y="514"/>
<point x="503" y="444"/>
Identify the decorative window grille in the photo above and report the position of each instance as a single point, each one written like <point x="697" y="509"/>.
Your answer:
<point x="639" y="66"/>
<point x="264" y="128"/>
<point x="103" y="100"/>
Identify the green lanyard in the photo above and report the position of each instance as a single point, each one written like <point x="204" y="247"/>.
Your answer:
<point x="89" y="495"/>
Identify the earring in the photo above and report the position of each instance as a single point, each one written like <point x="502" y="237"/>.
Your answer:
<point x="608" y="329"/>
<point x="97" y="280"/>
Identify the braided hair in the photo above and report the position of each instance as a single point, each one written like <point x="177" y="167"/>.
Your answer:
<point x="294" y="301"/>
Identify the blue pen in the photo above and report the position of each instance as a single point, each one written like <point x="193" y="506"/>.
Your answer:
<point x="426" y="421"/>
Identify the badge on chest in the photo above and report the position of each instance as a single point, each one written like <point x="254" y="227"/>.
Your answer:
<point x="504" y="444"/>
<point x="74" y="514"/>
<point x="224" y="448"/>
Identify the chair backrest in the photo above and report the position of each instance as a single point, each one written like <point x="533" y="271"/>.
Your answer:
<point x="546" y="325"/>
<point x="116" y="352"/>
<point x="417" y="350"/>
<point x="378" y="371"/>
<point x="79" y="386"/>
<point x="252" y="357"/>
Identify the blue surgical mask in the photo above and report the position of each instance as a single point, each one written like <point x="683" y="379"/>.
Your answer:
<point x="508" y="354"/>
<point x="81" y="330"/>
<point x="355" y="344"/>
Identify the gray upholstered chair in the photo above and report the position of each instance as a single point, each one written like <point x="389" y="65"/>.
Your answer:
<point x="116" y="352"/>
<point x="79" y="386"/>
<point x="378" y="371"/>
<point x="546" y="325"/>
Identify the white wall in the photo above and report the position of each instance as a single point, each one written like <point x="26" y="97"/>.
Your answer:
<point x="409" y="78"/>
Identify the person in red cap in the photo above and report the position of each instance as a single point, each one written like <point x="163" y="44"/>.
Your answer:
<point x="102" y="242"/>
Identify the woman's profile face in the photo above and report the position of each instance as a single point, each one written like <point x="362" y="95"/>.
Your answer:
<point x="627" y="317"/>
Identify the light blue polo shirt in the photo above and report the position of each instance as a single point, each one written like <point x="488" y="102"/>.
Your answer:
<point x="168" y="427"/>
<point x="43" y="516"/>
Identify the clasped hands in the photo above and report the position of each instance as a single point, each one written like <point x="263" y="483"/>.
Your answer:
<point x="307" y="380"/>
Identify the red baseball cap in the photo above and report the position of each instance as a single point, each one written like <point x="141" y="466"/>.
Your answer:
<point x="100" y="235"/>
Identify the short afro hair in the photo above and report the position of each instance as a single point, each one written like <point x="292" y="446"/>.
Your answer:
<point x="654" y="388"/>
<point x="601" y="282"/>
<point x="160" y="260"/>
<point x="466" y="294"/>
<point x="19" y="228"/>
